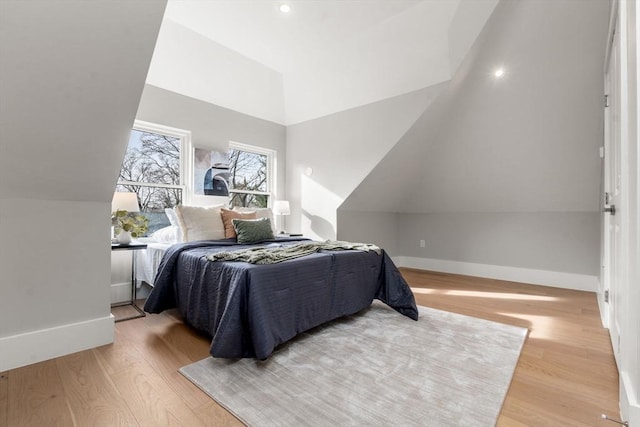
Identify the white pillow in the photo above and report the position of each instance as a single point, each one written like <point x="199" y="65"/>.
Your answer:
<point x="200" y="223"/>
<point x="166" y="235"/>
<point x="173" y="217"/>
<point x="260" y="213"/>
<point x="175" y="222"/>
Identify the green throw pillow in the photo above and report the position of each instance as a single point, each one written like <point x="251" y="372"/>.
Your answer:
<point x="253" y="230"/>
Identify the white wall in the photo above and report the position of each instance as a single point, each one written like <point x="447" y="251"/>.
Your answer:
<point x="191" y="64"/>
<point x="528" y="142"/>
<point x="71" y="76"/>
<point x="54" y="297"/>
<point x="212" y="126"/>
<point x="494" y="172"/>
<point x="565" y="242"/>
<point x="379" y="228"/>
<point x="341" y="149"/>
<point x="348" y="145"/>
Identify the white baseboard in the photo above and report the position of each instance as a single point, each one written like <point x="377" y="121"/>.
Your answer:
<point x="580" y="282"/>
<point x="629" y="404"/>
<point x="603" y="309"/>
<point x="37" y="346"/>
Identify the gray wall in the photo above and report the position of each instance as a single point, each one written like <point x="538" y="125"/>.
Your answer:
<point x="379" y="228"/>
<point x="506" y="172"/>
<point x="555" y="241"/>
<point x="528" y="142"/>
<point x="341" y="149"/>
<point x="71" y="76"/>
<point x="212" y="126"/>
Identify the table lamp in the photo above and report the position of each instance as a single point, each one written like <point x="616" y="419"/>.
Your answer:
<point x="124" y="201"/>
<point x="281" y="207"/>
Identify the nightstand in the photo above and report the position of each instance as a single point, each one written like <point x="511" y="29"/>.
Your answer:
<point x="133" y="246"/>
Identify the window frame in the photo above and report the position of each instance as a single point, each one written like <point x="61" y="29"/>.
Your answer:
<point x="271" y="170"/>
<point x="186" y="158"/>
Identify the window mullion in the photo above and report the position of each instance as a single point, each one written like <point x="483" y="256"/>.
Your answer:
<point x="259" y="193"/>
<point x="151" y="184"/>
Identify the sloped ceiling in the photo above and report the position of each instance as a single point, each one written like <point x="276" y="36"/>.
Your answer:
<point x="330" y="55"/>
<point x="71" y="77"/>
<point x="527" y="142"/>
<point x="284" y="42"/>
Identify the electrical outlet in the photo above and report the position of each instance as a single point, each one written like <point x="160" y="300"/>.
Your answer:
<point x="422" y="243"/>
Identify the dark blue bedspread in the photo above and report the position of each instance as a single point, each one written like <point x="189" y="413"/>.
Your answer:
<point x="250" y="309"/>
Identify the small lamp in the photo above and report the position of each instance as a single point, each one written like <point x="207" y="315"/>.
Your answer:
<point x="124" y="201"/>
<point x="281" y="207"/>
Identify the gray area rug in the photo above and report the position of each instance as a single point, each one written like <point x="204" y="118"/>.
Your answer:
<point x="376" y="368"/>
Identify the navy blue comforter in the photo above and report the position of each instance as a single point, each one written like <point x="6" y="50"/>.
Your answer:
<point x="250" y="309"/>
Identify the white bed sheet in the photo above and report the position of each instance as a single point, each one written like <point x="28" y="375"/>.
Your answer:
<point x="148" y="260"/>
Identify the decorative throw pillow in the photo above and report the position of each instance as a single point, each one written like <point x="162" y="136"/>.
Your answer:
<point x="253" y="230"/>
<point x="227" y="216"/>
<point x="260" y="213"/>
<point x="200" y="223"/>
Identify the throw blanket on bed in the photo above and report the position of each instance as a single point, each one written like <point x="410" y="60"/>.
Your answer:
<point x="275" y="255"/>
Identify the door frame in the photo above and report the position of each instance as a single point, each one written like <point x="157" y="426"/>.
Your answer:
<point x="614" y="187"/>
<point x="604" y="282"/>
<point x="627" y="286"/>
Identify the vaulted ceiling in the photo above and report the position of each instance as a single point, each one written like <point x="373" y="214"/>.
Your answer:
<point x="322" y="57"/>
<point x="285" y="42"/>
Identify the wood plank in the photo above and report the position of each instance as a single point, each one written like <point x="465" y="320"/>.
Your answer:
<point x="151" y="399"/>
<point x="93" y="398"/>
<point x="213" y="414"/>
<point x="164" y="358"/>
<point x="577" y="383"/>
<point x="606" y="374"/>
<point x="524" y="413"/>
<point x="556" y="406"/>
<point x="177" y="334"/>
<point x="505" y="420"/>
<point x="4" y="397"/>
<point x="37" y="397"/>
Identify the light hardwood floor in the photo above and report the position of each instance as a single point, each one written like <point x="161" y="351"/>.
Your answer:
<point x="566" y="375"/>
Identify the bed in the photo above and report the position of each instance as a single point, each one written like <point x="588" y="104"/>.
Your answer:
<point x="250" y="309"/>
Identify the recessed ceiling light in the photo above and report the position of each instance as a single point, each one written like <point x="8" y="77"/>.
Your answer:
<point x="498" y="73"/>
<point x="285" y="8"/>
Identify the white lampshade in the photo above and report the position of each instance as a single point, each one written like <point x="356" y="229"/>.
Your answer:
<point x="124" y="201"/>
<point x="281" y="207"/>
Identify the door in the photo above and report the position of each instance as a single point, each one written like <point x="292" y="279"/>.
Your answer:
<point x="612" y="187"/>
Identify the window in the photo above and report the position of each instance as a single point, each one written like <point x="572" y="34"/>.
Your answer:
<point x="155" y="168"/>
<point x="250" y="175"/>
